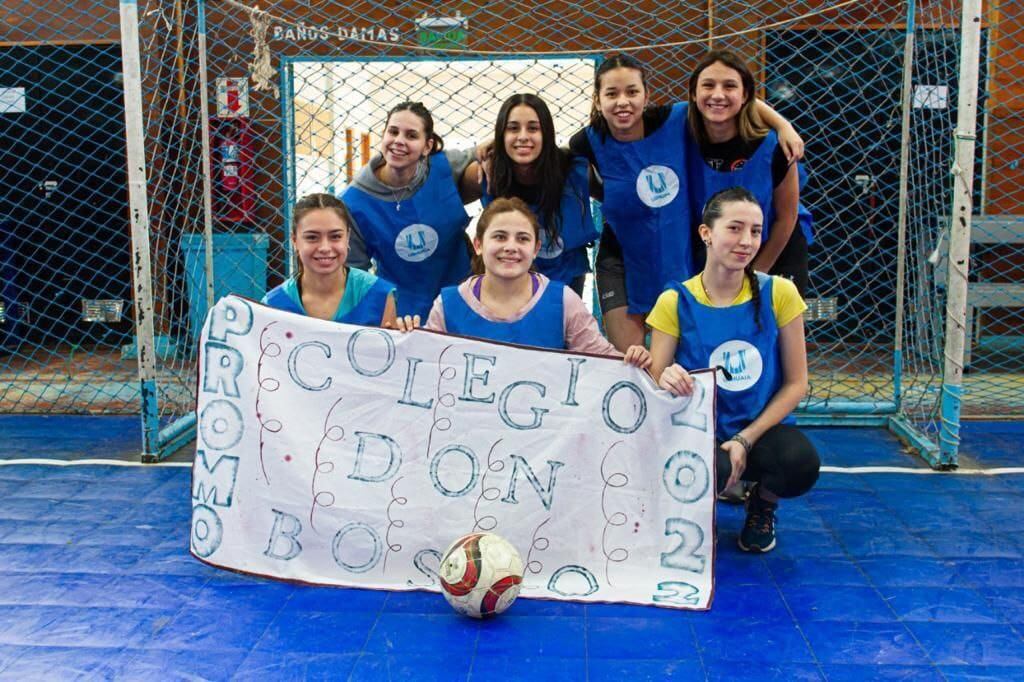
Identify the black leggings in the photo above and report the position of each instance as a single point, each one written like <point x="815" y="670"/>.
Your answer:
<point x="792" y="262"/>
<point x="783" y="460"/>
<point x="577" y="284"/>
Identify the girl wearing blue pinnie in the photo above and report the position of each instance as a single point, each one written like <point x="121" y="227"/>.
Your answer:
<point x="528" y="164"/>
<point x="506" y="301"/>
<point x="736" y="149"/>
<point x="408" y="208"/>
<point x="324" y="287"/>
<point x="750" y="326"/>
<point x="639" y="154"/>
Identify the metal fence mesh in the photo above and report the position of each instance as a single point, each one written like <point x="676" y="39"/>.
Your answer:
<point x="65" y="291"/>
<point x="317" y="78"/>
<point x="995" y="323"/>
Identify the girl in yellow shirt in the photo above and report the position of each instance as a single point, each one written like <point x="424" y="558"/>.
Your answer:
<point x="749" y="326"/>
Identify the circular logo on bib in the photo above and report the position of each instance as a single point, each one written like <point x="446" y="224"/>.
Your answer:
<point x="416" y="243"/>
<point x="657" y="186"/>
<point x="742" y="360"/>
<point x="549" y="250"/>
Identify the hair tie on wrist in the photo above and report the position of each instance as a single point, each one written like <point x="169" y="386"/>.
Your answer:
<point x="742" y="441"/>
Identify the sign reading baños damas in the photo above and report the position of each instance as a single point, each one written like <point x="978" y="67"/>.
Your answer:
<point x="345" y="455"/>
<point x="302" y="32"/>
<point x="431" y="31"/>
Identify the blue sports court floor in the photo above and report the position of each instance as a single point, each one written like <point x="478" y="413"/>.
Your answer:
<point x="881" y="573"/>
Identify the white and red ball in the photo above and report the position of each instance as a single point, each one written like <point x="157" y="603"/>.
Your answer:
<point x="481" y="574"/>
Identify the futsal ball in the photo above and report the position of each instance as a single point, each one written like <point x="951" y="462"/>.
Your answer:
<point x="481" y="574"/>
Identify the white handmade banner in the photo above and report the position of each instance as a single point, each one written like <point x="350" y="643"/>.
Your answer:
<point x="347" y="455"/>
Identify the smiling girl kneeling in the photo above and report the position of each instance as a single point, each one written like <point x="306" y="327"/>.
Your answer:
<point x="324" y="287"/>
<point x="750" y="325"/>
<point x="505" y="301"/>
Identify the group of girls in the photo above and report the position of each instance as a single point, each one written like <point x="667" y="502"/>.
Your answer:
<point x="724" y="158"/>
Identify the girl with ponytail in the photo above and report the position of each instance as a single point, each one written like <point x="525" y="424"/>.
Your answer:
<point x="408" y="206"/>
<point x="323" y="286"/>
<point x="749" y="326"/>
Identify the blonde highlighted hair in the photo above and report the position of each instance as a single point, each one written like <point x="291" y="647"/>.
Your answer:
<point x="748" y="122"/>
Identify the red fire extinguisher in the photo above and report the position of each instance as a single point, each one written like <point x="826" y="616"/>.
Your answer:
<point x="234" y="198"/>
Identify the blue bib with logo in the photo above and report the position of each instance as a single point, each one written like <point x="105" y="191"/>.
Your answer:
<point x="755" y="175"/>
<point x="647" y="204"/>
<point x="367" y="312"/>
<point x="418" y="243"/>
<point x="729" y="338"/>
<point x="543" y="326"/>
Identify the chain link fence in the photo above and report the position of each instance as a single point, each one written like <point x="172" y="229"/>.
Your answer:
<point x="994" y="350"/>
<point x="65" y="282"/>
<point x="244" y="110"/>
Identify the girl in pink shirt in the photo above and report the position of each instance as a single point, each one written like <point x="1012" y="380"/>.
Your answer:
<point x="505" y="301"/>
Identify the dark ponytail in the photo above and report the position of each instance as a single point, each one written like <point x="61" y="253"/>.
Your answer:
<point x="619" y="61"/>
<point x="713" y="210"/>
<point x="755" y="292"/>
<point x="424" y="115"/>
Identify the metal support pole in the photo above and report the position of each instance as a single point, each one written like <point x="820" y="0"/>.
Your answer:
<point x="331" y="144"/>
<point x="993" y="37"/>
<point x="960" y="233"/>
<point x="901" y="232"/>
<point x="142" y="274"/>
<point x="204" y="118"/>
<point x="287" y="76"/>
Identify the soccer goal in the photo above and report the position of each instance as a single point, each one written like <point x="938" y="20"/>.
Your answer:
<point x="241" y="109"/>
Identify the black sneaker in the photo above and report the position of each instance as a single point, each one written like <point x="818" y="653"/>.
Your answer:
<point x="758" y="534"/>
<point x="737" y="494"/>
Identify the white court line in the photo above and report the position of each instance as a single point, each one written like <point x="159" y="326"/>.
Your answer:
<point x="91" y="462"/>
<point x="995" y="471"/>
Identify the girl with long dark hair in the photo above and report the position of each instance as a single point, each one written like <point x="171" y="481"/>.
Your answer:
<point x="527" y="163"/>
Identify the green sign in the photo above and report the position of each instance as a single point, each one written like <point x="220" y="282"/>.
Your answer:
<point x="442" y="32"/>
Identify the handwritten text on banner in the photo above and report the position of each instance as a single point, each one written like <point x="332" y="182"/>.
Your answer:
<point x="353" y="456"/>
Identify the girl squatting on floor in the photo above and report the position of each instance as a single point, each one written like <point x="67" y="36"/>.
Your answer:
<point x="750" y="326"/>
<point x="506" y="301"/>
<point x="324" y="286"/>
